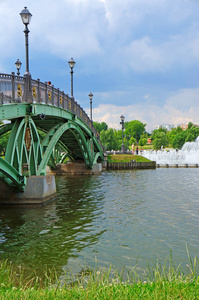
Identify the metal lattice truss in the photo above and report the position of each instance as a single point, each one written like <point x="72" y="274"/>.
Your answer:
<point x="42" y="135"/>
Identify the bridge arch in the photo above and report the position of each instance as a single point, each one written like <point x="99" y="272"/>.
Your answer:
<point x="84" y="146"/>
<point x="46" y="126"/>
<point x="24" y="151"/>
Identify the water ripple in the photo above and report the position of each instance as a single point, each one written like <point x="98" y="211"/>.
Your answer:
<point x="117" y="216"/>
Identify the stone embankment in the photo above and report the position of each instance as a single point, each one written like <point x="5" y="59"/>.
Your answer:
<point x="130" y="165"/>
<point x="77" y="169"/>
<point x="177" y="165"/>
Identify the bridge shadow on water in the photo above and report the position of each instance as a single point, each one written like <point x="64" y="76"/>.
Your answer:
<point x="50" y="235"/>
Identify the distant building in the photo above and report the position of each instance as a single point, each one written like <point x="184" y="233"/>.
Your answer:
<point x="167" y="126"/>
<point x="184" y="126"/>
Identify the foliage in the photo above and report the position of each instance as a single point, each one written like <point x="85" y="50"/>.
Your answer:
<point x="179" y="140"/>
<point x="157" y="131"/>
<point x="3" y="143"/>
<point x="134" y="132"/>
<point x="174" y="131"/>
<point x="178" y="136"/>
<point x="142" y="142"/>
<point x="100" y="126"/>
<point x="189" y="137"/>
<point x="135" y="129"/>
<point x="192" y="133"/>
<point x="110" y="139"/>
<point x="160" y="140"/>
<point x="132" y="141"/>
<point x="190" y="124"/>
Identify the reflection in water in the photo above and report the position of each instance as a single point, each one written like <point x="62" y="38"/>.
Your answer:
<point x="52" y="233"/>
<point x="116" y="217"/>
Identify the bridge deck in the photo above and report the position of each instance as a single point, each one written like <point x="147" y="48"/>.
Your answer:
<point x="46" y="125"/>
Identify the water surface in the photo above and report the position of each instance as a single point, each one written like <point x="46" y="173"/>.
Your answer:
<point x="116" y="217"/>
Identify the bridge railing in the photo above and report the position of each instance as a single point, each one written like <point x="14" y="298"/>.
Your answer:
<point x="12" y="90"/>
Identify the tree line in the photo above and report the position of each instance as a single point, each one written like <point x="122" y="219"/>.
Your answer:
<point x="135" y="132"/>
<point x="175" y="138"/>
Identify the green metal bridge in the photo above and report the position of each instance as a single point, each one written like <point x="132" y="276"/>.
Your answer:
<point x="45" y="127"/>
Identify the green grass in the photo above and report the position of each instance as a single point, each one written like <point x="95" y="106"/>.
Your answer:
<point x="157" y="282"/>
<point x="126" y="158"/>
<point x="146" y="291"/>
<point x="147" y="147"/>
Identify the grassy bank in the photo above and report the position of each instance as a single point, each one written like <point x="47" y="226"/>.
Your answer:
<point x="126" y="158"/>
<point x="158" y="282"/>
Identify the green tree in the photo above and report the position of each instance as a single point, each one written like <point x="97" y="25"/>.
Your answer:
<point x="171" y="134"/>
<point x="132" y="141"/>
<point x="142" y="142"/>
<point x="110" y="139"/>
<point x="160" y="140"/>
<point x="190" y="137"/>
<point x="192" y="133"/>
<point x="100" y="126"/>
<point x="179" y="140"/>
<point x="135" y="129"/>
<point x="190" y="124"/>
<point x="157" y="131"/>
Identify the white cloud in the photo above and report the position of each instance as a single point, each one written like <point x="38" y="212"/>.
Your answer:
<point x="72" y="26"/>
<point x="143" y="56"/>
<point x="146" y="55"/>
<point x="141" y="32"/>
<point x="58" y="26"/>
<point x="152" y="114"/>
<point x="184" y="100"/>
<point x="135" y="12"/>
<point x="116" y="44"/>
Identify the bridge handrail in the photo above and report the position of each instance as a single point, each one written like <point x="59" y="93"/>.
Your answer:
<point x="12" y="90"/>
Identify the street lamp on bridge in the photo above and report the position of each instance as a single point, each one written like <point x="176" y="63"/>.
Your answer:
<point x="91" y="98"/>
<point x="122" y="123"/>
<point x="26" y="18"/>
<point x="127" y="139"/>
<point x="71" y="63"/>
<point x="18" y="66"/>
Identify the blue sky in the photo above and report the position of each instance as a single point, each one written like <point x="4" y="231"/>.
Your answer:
<point x="139" y="58"/>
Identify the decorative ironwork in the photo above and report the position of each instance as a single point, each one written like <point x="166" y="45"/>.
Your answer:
<point x="19" y="90"/>
<point x="12" y="88"/>
<point x="49" y="96"/>
<point x="34" y="92"/>
<point x="28" y="138"/>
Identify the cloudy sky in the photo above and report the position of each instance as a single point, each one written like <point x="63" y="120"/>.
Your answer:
<point x="139" y="58"/>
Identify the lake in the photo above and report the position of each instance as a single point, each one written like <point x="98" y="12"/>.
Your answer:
<point x="116" y="218"/>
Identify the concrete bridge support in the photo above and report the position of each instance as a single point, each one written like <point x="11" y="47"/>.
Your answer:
<point x="38" y="190"/>
<point x="77" y="169"/>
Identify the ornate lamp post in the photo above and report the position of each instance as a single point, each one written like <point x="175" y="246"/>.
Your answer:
<point x="127" y="139"/>
<point x="71" y="63"/>
<point x="18" y="66"/>
<point x="91" y="98"/>
<point x="26" y="18"/>
<point x="122" y="123"/>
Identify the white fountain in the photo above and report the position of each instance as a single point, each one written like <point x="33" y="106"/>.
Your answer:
<point x="188" y="155"/>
